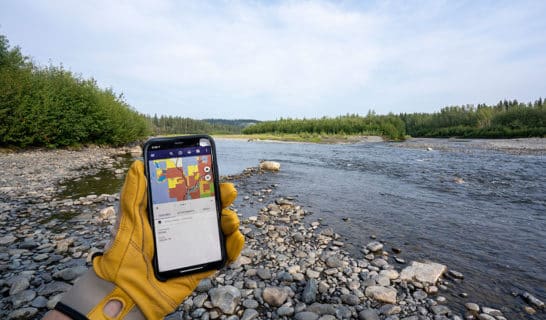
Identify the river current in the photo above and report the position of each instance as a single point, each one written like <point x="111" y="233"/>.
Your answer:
<point x="480" y="212"/>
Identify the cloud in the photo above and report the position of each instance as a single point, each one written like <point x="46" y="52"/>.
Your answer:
<point x="266" y="60"/>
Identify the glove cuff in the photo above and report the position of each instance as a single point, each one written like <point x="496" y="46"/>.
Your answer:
<point x="90" y="294"/>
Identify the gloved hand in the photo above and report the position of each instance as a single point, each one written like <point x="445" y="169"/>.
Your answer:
<point x="127" y="264"/>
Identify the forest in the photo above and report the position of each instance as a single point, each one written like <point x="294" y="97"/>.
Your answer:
<point x="507" y="119"/>
<point x="180" y="125"/>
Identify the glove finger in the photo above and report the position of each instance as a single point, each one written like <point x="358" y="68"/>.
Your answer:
<point x="228" y="194"/>
<point x="234" y="245"/>
<point x="230" y="222"/>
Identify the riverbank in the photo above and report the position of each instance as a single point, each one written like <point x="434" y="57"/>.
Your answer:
<point x="303" y="137"/>
<point x="534" y="146"/>
<point x="291" y="266"/>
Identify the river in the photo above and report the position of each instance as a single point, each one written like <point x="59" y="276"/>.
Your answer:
<point x="479" y="211"/>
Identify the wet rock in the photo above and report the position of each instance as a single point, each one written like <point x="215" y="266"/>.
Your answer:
<point x="270" y="165"/>
<point x="428" y="272"/>
<point x="533" y="300"/>
<point x="440" y="310"/>
<point x="226" y="298"/>
<point x="484" y="316"/>
<point x="374" y="246"/>
<point x="250" y="304"/>
<point x="455" y="274"/>
<point x="492" y="312"/>
<point x="39" y="302"/>
<point x="274" y="296"/>
<point x="382" y="294"/>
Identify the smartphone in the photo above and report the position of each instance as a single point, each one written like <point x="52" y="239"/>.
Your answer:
<point x="184" y="205"/>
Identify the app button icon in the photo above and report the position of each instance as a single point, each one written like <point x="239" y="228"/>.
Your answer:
<point x="208" y="177"/>
<point x="206" y="169"/>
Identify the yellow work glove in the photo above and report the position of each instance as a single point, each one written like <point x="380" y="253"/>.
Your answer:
<point x="126" y="265"/>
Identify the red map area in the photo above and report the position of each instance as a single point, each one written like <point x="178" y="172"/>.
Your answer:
<point x="187" y="187"/>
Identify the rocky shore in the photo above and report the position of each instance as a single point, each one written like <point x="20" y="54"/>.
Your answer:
<point x="291" y="266"/>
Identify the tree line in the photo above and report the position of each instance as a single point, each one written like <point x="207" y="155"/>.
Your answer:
<point x="53" y="107"/>
<point x="181" y="125"/>
<point x="506" y="119"/>
<point x="390" y="126"/>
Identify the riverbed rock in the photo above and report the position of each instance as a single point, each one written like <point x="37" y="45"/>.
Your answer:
<point x="368" y="314"/>
<point x="309" y="294"/>
<point x="374" y="246"/>
<point x="533" y="300"/>
<point x="70" y="273"/>
<point x="226" y="298"/>
<point x="382" y="294"/>
<point x="23" y="313"/>
<point x="274" y="296"/>
<point x="270" y="166"/>
<point x="426" y="272"/>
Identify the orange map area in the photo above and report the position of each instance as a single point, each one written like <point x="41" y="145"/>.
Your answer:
<point x="193" y="183"/>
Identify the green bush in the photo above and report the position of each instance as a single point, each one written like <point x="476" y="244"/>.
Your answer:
<point x="52" y="107"/>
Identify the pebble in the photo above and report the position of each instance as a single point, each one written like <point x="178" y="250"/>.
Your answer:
<point x="274" y="296"/>
<point x="291" y="267"/>
<point x="226" y="298"/>
<point x="472" y="307"/>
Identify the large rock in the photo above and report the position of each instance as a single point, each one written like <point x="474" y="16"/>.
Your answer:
<point x="226" y="298"/>
<point x="382" y="294"/>
<point x="274" y="296"/>
<point x="270" y="165"/>
<point x="428" y="272"/>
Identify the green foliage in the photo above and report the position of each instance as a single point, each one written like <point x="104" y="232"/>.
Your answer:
<point x="52" y="107"/>
<point x="507" y="119"/>
<point x="389" y="126"/>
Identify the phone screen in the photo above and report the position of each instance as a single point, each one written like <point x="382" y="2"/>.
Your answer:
<point x="185" y="218"/>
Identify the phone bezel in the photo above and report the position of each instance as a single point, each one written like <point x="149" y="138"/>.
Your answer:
<point x="173" y="143"/>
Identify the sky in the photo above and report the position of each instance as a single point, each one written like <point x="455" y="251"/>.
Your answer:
<point x="269" y="59"/>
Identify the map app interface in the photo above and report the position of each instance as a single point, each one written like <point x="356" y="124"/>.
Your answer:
<point x="184" y="207"/>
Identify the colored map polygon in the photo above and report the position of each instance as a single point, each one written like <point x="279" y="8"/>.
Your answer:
<point x="182" y="178"/>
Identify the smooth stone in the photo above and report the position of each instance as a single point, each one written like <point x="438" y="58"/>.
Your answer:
<point x="350" y="299"/>
<point x="70" y="273"/>
<point x="285" y="311"/>
<point x="22" y="297"/>
<point x="7" y="240"/>
<point x="274" y="296"/>
<point x="440" y="310"/>
<point x="492" y="312"/>
<point x="270" y="165"/>
<point x="391" y="274"/>
<point x="249" y="314"/>
<point x="455" y="274"/>
<point x="322" y="308"/>
<point x="484" y="316"/>
<point x="306" y="315"/>
<point x="39" y="302"/>
<point x="390" y="309"/>
<point x="420" y="295"/>
<point x="312" y="274"/>
<point x="343" y="312"/>
<point x="226" y="298"/>
<point x="250" y="304"/>
<point x="374" y="246"/>
<point x="428" y="272"/>
<point x="264" y="274"/>
<point x="334" y="262"/>
<point x="23" y="313"/>
<point x="204" y="285"/>
<point x="309" y="294"/>
<point x="54" y="287"/>
<point x="368" y="314"/>
<point x="41" y="257"/>
<point x="19" y="284"/>
<point x="200" y="299"/>
<point x="382" y="294"/>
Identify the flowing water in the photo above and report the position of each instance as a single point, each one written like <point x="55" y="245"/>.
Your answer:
<point x="481" y="212"/>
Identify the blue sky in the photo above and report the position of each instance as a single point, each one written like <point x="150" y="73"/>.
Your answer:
<point x="265" y="60"/>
